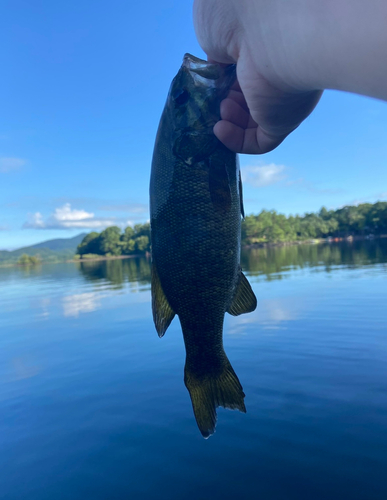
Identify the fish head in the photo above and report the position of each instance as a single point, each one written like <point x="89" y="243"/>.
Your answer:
<point x="194" y="106"/>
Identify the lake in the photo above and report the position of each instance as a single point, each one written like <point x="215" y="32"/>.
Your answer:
<point x="93" y="403"/>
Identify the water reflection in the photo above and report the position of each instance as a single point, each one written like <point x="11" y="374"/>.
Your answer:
<point x="73" y="305"/>
<point x="117" y="272"/>
<point x="275" y="261"/>
<point x="271" y="314"/>
<point x="272" y="262"/>
<point x="96" y="391"/>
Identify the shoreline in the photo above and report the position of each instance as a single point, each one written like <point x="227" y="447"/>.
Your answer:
<point x="74" y="261"/>
<point x="111" y="257"/>
<point x="314" y="241"/>
<point x="251" y="246"/>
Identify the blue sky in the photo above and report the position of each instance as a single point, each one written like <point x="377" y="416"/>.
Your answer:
<point x="83" y="87"/>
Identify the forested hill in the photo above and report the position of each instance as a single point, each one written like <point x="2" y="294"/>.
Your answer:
<point x="361" y="220"/>
<point x="55" y="245"/>
<point x="57" y="250"/>
<point x="58" y="244"/>
<point x="266" y="227"/>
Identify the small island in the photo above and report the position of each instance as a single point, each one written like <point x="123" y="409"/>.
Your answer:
<point x="112" y="243"/>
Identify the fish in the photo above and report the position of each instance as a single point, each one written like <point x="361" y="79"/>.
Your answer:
<point x="196" y="209"/>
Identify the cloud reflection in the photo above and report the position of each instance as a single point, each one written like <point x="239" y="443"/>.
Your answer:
<point x="74" y="305"/>
<point x="271" y="314"/>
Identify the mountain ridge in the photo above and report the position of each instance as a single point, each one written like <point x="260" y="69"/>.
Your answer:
<point x="59" y="249"/>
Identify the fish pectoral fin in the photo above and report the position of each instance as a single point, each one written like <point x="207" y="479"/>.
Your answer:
<point x="163" y="313"/>
<point x="244" y="300"/>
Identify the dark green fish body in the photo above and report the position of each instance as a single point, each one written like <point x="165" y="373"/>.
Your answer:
<point x="196" y="200"/>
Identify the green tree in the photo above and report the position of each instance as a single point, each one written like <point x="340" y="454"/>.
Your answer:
<point x="28" y="260"/>
<point x="109" y="241"/>
<point x="142" y="243"/>
<point x="89" y="244"/>
<point x="127" y="241"/>
<point x="142" y="230"/>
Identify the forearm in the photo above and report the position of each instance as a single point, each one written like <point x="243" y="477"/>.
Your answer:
<point x="302" y="44"/>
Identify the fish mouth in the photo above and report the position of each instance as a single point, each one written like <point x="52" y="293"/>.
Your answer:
<point x="208" y="74"/>
<point x="202" y="68"/>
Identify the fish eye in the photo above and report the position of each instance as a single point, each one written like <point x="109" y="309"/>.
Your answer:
<point x="181" y="96"/>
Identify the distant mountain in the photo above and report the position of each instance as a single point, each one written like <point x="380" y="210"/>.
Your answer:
<point x="51" y="250"/>
<point x="58" y="244"/>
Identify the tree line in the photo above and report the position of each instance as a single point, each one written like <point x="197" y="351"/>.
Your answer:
<point x="28" y="260"/>
<point x="268" y="226"/>
<point x="271" y="227"/>
<point x="113" y="242"/>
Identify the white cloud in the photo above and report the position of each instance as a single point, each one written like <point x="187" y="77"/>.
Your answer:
<point x="263" y="175"/>
<point x="66" y="214"/>
<point x="67" y="218"/>
<point x="4" y="228"/>
<point x="34" y="221"/>
<point x="9" y="164"/>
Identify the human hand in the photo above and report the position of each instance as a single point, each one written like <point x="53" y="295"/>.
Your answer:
<point x="267" y="103"/>
<point x="256" y="121"/>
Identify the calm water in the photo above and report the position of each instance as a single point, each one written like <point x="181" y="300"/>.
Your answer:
<point x="93" y="404"/>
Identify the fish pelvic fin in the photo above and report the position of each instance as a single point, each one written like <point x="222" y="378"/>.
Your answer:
<point x="163" y="313"/>
<point x="244" y="300"/>
<point x="211" y="390"/>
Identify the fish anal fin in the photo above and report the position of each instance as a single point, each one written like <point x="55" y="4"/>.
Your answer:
<point x="163" y="313"/>
<point x="209" y="391"/>
<point x="244" y="300"/>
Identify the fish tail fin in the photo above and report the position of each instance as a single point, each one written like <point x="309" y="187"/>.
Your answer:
<point x="213" y="389"/>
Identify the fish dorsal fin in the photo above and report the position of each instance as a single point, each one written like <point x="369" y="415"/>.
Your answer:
<point x="244" y="300"/>
<point x="163" y="313"/>
<point x="241" y="195"/>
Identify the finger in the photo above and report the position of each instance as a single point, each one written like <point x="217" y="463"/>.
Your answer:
<point x="236" y="86"/>
<point x="265" y="142"/>
<point x="247" y="141"/>
<point x="232" y="112"/>
<point x="213" y="61"/>
<point x="238" y="97"/>
<point x="231" y="135"/>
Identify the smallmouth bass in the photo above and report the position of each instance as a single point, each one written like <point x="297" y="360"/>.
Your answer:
<point x="196" y="208"/>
